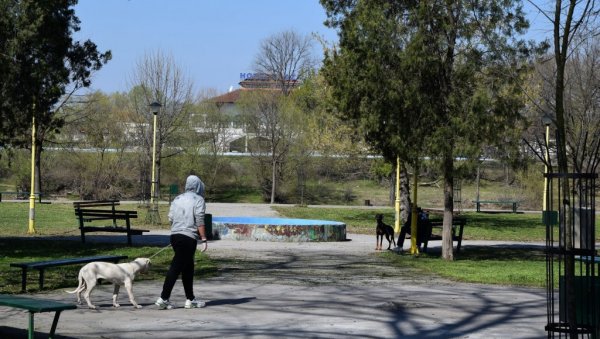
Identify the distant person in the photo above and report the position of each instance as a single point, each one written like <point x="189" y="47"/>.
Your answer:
<point x="422" y="227"/>
<point x="186" y="216"/>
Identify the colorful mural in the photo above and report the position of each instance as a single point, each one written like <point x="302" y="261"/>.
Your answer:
<point x="278" y="229"/>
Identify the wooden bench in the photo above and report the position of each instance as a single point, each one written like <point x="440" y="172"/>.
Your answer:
<point x="89" y="211"/>
<point x="35" y="305"/>
<point x="458" y="225"/>
<point x="514" y="204"/>
<point x="42" y="265"/>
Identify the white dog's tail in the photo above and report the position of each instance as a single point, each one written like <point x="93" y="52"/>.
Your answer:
<point x="82" y="286"/>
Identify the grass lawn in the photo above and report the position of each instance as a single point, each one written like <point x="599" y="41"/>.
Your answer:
<point x="480" y="226"/>
<point x="24" y="250"/>
<point x="486" y="265"/>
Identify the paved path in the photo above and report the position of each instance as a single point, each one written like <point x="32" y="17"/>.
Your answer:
<point x="302" y="290"/>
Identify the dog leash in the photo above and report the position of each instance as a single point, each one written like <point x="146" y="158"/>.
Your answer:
<point x="162" y="249"/>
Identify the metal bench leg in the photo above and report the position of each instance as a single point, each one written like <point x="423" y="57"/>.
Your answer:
<point x="31" y="330"/>
<point x="128" y="225"/>
<point x="41" y="279"/>
<point x="23" y="279"/>
<point x="54" y="323"/>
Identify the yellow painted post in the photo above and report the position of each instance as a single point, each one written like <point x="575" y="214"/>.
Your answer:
<point x="414" y="249"/>
<point x="547" y="156"/>
<point x="31" y="229"/>
<point x="397" y="205"/>
<point x="153" y="186"/>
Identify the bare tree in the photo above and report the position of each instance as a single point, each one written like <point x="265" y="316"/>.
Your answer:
<point x="214" y="130"/>
<point x="267" y="122"/>
<point x="285" y="58"/>
<point x="95" y="123"/>
<point x="574" y="22"/>
<point x="157" y="77"/>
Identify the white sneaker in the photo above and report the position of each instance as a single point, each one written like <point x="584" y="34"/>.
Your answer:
<point x="164" y="304"/>
<point x="194" y="304"/>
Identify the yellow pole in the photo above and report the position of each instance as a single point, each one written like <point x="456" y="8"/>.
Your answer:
<point x="544" y="206"/>
<point x="397" y="206"/>
<point x="31" y="229"/>
<point x="414" y="249"/>
<point x="153" y="187"/>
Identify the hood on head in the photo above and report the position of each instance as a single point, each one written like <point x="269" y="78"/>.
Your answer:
<point x="194" y="184"/>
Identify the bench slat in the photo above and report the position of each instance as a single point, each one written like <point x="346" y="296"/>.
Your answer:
<point x="41" y="265"/>
<point x="68" y="261"/>
<point x="112" y="229"/>
<point x="34" y="305"/>
<point x="94" y="203"/>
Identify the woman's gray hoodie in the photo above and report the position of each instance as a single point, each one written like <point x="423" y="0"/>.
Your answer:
<point x="187" y="209"/>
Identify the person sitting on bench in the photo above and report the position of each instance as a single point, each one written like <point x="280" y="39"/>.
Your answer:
<point x="422" y="227"/>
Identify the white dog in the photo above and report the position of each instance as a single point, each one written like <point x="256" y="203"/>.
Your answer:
<point x="118" y="274"/>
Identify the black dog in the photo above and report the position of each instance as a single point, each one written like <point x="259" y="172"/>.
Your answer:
<point x="383" y="230"/>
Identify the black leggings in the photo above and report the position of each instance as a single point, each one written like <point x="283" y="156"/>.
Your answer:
<point x="182" y="263"/>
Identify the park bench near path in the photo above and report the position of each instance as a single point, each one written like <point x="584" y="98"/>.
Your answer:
<point x="42" y="265"/>
<point x="458" y="225"/>
<point x="36" y="305"/>
<point x="94" y="210"/>
<point x="514" y="203"/>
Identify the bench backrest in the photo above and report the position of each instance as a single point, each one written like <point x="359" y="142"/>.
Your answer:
<point x="96" y="203"/>
<point x="68" y="261"/>
<point x="94" y="214"/>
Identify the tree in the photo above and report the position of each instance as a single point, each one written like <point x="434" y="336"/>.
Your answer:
<point x="97" y="124"/>
<point x="265" y="119"/>
<point x="158" y="78"/>
<point x="574" y="22"/>
<point x="285" y="58"/>
<point x="213" y="132"/>
<point x="434" y="78"/>
<point x="41" y="67"/>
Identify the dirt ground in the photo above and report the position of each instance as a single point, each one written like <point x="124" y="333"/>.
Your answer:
<point x="300" y="290"/>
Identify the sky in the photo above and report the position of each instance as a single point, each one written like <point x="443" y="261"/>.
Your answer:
<point x="213" y="41"/>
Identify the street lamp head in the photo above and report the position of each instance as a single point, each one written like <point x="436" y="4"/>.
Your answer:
<point x="546" y="120"/>
<point x="155" y="107"/>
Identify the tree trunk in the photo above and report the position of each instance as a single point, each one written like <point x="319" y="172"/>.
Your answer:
<point x="37" y="170"/>
<point x="448" y="168"/>
<point x="273" y="179"/>
<point x="561" y="42"/>
<point x="404" y="193"/>
<point x="477" y="179"/>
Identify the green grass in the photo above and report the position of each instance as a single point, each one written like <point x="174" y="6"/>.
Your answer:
<point x="501" y="265"/>
<point x="480" y="226"/>
<point x="25" y="250"/>
<point x="60" y="219"/>
<point x="486" y="265"/>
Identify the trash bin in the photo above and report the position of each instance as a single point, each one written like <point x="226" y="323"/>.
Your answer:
<point x="208" y="226"/>
<point x="173" y="191"/>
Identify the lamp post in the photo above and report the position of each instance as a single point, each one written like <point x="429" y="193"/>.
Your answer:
<point x="547" y="121"/>
<point x="154" y="216"/>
